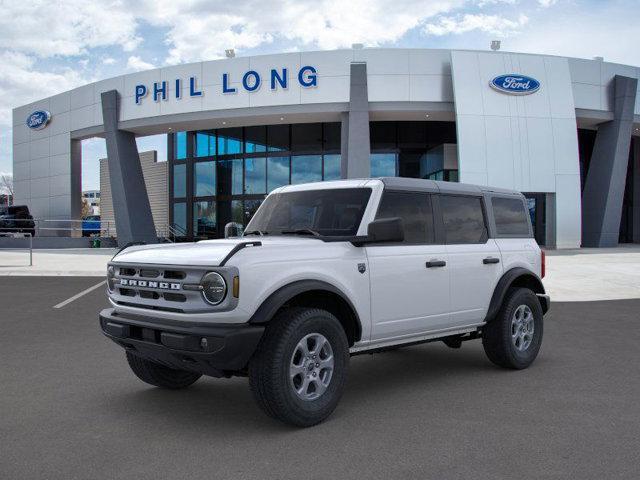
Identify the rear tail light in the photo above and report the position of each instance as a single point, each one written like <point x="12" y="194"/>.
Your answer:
<point x="543" y="264"/>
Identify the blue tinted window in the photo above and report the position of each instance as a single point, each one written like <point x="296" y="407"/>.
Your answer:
<point x="204" y="218"/>
<point x="255" y="171"/>
<point x="180" y="145"/>
<point x="255" y="139"/>
<point x="180" y="180"/>
<point x="383" y="165"/>
<point x="180" y="216"/>
<point x="205" y="144"/>
<point x="229" y="141"/>
<point x="306" y="168"/>
<point x="204" y="179"/>
<point x="277" y="172"/>
<point x="332" y="167"/>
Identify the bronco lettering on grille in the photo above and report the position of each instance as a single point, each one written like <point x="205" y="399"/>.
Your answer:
<point x="128" y="282"/>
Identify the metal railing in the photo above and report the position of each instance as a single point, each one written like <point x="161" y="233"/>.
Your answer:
<point x="51" y="228"/>
<point x="171" y="232"/>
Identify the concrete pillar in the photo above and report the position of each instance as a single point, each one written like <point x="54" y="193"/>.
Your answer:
<point x="604" y="188"/>
<point x="636" y="190"/>
<point x="356" y="161"/>
<point x="131" y="208"/>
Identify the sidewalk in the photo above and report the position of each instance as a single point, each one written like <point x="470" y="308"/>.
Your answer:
<point x="572" y="275"/>
<point x="589" y="274"/>
<point x="90" y="262"/>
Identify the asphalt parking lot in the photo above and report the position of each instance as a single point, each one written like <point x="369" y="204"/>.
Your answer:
<point x="70" y="408"/>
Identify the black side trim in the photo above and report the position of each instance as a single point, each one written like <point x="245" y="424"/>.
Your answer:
<point x="271" y="305"/>
<point x="509" y="277"/>
<point x="237" y="248"/>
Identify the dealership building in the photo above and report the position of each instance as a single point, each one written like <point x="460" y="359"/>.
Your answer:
<point x="564" y="131"/>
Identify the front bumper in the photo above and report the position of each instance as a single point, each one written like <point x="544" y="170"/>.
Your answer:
<point x="215" y="350"/>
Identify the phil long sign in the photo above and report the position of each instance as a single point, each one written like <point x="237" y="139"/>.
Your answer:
<point x="515" y="84"/>
<point x="250" y="81"/>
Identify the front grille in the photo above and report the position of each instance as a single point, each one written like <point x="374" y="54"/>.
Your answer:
<point x="157" y="287"/>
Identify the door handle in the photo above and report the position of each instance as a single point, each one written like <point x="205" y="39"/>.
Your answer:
<point x="490" y="260"/>
<point x="436" y="263"/>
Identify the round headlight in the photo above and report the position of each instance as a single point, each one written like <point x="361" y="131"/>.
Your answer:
<point x="214" y="288"/>
<point x="111" y="272"/>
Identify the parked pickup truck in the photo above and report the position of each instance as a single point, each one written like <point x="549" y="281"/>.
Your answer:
<point x="325" y="271"/>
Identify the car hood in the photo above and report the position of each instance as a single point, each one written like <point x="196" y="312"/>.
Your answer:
<point x="203" y="253"/>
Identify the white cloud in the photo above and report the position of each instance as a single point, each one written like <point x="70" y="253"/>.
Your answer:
<point x="547" y="3"/>
<point x="108" y="61"/>
<point x="324" y="24"/>
<point x="136" y="63"/>
<point x="491" y="24"/>
<point x="20" y="83"/>
<point x="46" y="28"/>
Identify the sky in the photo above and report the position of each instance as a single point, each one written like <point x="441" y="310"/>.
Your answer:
<point x="48" y="47"/>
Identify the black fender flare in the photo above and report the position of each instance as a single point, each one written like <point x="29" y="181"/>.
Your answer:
<point x="267" y="310"/>
<point x="527" y="277"/>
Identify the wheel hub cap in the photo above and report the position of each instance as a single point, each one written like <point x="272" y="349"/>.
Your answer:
<point x="522" y="327"/>
<point x="311" y="366"/>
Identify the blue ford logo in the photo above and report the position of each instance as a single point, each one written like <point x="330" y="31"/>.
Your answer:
<point x="515" y="84"/>
<point x="38" y="119"/>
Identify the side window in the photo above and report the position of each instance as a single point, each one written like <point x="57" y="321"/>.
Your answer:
<point x="415" y="211"/>
<point x="511" y="217"/>
<point x="463" y="219"/>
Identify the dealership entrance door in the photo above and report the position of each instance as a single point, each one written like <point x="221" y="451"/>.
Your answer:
<point x="538" y="211"/>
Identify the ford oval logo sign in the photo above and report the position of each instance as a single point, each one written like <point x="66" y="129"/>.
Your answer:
<point x="38" y="119"/>
<point x="515" y="84"/>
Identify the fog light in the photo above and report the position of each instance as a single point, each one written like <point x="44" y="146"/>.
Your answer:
<point x="214" y="288"/>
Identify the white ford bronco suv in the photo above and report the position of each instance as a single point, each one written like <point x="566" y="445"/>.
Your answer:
<point x="327" y="270"/>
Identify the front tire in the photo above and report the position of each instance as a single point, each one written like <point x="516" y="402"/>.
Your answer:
<point x="159" y="375"/>
<point x="299" y="370"/>
<point x="513" y="338"/>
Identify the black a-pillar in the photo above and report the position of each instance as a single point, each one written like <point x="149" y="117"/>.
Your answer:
<point x="131" y="207"/>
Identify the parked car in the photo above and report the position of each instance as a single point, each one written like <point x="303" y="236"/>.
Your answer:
<point x="91" y="225"/>
<point x="328" y="270"/>
<point x="17" y="219"/>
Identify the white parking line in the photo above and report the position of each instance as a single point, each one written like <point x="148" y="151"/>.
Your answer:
<point x="77" y="296"/>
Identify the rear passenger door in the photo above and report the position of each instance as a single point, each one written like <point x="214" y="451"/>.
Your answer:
<point x="474" y="258"/>
<point x="410" y="279"/>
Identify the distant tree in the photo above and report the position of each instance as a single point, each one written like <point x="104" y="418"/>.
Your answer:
<point x="6" y="184"/>
<point x="86" y="208"/>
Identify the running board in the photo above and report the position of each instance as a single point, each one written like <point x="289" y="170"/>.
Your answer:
<point x="414" y="340"/>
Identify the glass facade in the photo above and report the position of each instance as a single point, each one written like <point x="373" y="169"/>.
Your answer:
<point x="223" y="175"/>
<point x="400" y="148"/>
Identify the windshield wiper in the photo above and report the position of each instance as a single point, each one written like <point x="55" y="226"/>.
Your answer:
<point x="256" y="232"/>
<point x="301" y="231"/>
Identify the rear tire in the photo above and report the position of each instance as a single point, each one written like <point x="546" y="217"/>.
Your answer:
<point x="159" y="375"/>
<point x="513" y="338"/>
<point x="299" y="370"/>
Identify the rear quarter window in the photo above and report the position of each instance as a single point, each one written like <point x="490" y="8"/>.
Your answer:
<point x="510" y="216"/>
<point x="463" y="219"/>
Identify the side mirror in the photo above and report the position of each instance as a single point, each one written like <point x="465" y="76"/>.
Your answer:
<point x="232" y="229"/>
<point x="383" y="230"/>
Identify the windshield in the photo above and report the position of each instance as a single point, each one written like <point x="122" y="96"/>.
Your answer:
<point x="330" y="212"/>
